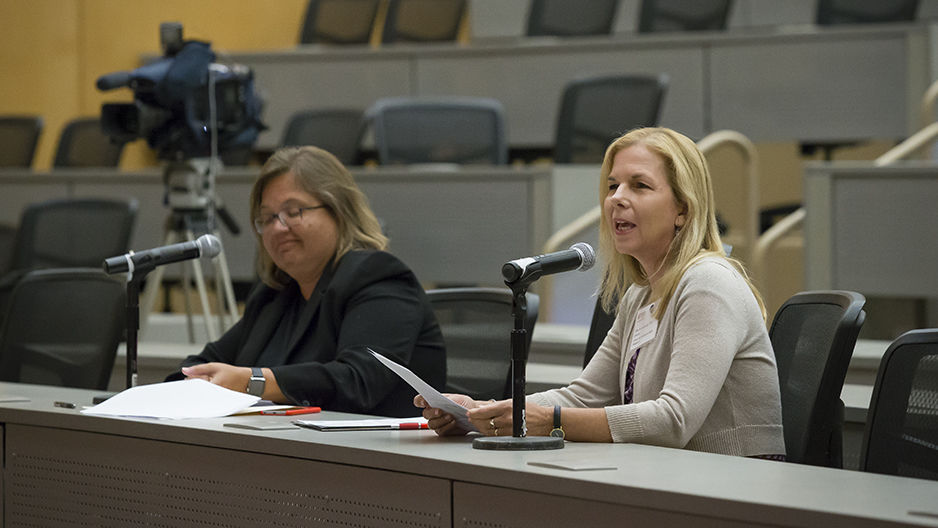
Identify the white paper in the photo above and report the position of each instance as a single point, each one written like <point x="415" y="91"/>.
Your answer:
<point x="574" y="465"/>
<point x="433" y="396"/>
<point x="192" y="398"/>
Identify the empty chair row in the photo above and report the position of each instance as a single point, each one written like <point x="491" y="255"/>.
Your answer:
<point x="355" y="21"/>
<point x="594" y="110"/>
<point x="81" y="143"/>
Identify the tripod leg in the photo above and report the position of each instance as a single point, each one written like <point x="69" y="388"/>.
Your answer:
<point x="203" y="296"/>
<point x="153" y="287"/>
<point x="187" y="302"/>
<point x="221" y="267"/>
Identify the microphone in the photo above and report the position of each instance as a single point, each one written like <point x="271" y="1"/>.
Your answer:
<point x="580" y="257"/>
<point x="205" y="246"/>
<point x="114" y="80"/>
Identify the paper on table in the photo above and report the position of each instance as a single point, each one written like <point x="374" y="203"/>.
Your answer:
<point x="433" y="396"/>
<point x="192" y="398"/>
<point x="365" y="425"/>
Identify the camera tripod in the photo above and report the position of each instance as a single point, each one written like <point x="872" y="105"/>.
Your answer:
<point x="189" y="193"/>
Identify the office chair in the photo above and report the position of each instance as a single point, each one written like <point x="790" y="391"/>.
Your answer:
<point x="476" y="325"/>
<point x="814" y="334"/>
<point x="63" y="328"/>
<point x="338" y="131"/>
<point x="462" y="130"/>
<point x="78" y="232"/>
<point x="683" y="15"/>
<point x="338" y="21"/>
<point x="423" y="20"/>
<point x="83" y="144"/>
<point x="19" y="136"/>
<point x="67" y="233"/>
<point x="901" y="435"/>
<point x="562" y="18"/>
<point x="595" y="110"/>
<point x="836" y="12"/>
<point x="599" y="327"/>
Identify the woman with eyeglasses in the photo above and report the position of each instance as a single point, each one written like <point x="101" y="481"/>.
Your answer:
<point x="329" y="291"/>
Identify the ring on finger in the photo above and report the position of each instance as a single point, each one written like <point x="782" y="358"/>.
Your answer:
<point x="492" y="424"/>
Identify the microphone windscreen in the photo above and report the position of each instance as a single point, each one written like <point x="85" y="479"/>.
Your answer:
<point x="209" y="245"/>
<point x="589" y="256"/>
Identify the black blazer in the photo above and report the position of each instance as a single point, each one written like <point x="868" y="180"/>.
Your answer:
<point x="370" y="298"/>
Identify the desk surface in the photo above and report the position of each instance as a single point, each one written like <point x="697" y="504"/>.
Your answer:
<point x="656" y="480"/>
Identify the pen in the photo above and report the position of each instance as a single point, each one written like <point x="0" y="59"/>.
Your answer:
<point x="292" y="412"/>
<point x="64" y="405"/>
<point x="411" y="425"/>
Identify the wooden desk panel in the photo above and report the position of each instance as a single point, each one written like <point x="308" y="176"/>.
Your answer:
<point x="780" y="84"/>
<point x="871" y="229"/>
<point x="68" y="478"/>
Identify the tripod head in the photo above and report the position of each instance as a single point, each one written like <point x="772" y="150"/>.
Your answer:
<point x="189" y="190"/>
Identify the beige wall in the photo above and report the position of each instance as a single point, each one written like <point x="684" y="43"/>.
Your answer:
<point x="52" y="51"/>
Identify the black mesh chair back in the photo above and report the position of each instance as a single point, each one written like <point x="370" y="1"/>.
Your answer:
<point x="902" y="423"/>
<point x="596" y="110"/>
<point x="83" y="144"/>
<point x="813" y="335"/>
<point x="563" y="18"/>
<point x="476" y="325"/>
<point x="599" y="327"/>
<point x="464" y="130"/>
<point x="836" y="12"/>
<point x="63" y="329"/>
<point x="683" y="15"/>
<point x="73" y="233"/>
<point x="423" y="20"/>
<point x="338" y="21"/>
<point x="338" y="131"/>
<point x="19" y="136"/>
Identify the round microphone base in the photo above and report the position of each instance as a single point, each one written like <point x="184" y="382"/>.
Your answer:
<point x="512" y="443"/>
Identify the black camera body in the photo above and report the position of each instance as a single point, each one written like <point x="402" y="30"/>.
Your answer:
<point x="179" y="97"/>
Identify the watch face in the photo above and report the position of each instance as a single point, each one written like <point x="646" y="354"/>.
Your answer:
<point x="557" y="433"/>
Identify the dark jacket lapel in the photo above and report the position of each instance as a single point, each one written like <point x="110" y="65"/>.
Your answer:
<point x="312" y="307"/>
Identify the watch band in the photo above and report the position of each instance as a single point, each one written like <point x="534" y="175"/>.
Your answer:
<point x="557" y="431"/>
<point x="257" y="382"/>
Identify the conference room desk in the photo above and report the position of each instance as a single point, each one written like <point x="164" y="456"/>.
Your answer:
<point x="786" y="83"/>
<point x="450" y="224"/>
<point x="63" y="468"/>
<point x="872" y="229"/>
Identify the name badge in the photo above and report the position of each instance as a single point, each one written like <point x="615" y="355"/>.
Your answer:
<point x="646" y="327"/>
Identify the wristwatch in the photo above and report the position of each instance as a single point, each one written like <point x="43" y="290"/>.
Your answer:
<point x="256" y="383"/>
<point x="557" y="431"/>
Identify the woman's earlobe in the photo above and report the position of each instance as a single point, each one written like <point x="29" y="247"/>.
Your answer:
<point x="679" y="221"/>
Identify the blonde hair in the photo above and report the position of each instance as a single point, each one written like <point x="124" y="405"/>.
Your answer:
<point x="322" y="175"/>
<point x="689" y="179"/>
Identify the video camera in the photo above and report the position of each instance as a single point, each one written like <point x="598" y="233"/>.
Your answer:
<point x="178" y="99"/>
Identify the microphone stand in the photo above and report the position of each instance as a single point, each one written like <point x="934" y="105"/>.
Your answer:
<point x="132" y="316"/>
<point x="518" y="441"/>
<point x="133" y="327"/>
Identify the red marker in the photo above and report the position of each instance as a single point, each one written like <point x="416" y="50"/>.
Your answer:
<point x="293" y="412"/>
<point x="411" y="425"/>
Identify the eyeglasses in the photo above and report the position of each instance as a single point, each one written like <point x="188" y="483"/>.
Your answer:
<point x="288" y="218"/>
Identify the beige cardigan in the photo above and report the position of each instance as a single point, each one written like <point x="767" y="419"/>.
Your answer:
<point x="707" y="381"/>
